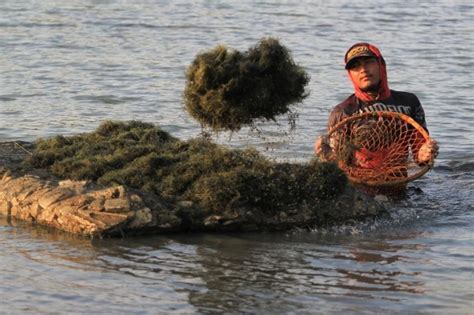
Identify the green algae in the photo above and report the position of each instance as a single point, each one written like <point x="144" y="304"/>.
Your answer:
<point x="227" y="89"/>
<point x="213" y="177"/>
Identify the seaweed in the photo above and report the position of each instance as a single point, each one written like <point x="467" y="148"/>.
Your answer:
<point x="214" y="177"/>
<point x="227" y="89"/>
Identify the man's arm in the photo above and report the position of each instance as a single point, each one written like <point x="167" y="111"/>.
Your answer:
<point x="322" y="147"/>
<point x="424" y="151"/>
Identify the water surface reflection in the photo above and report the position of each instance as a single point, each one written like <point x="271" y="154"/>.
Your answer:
<point x="278" y="273"/>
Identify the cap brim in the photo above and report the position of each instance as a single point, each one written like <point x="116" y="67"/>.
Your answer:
<point x="348" y="63"/>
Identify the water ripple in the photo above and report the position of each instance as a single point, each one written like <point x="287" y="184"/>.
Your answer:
<point x="68" y="66"/>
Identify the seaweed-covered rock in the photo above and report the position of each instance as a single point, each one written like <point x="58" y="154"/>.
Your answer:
<point x="190" y="185"/>
<point x="227" y="89"/>
<point x="212" y="176"/>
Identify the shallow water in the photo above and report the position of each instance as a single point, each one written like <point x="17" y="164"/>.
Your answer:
<point x="65" y="67"/>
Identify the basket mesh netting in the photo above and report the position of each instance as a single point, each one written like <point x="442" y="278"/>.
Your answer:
<point x="379" y="148"/>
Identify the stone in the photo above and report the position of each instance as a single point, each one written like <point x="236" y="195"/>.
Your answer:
<point x="117" y="205"/>
<point x="53" y="196"/>
<point x="79" y="187"/>
<point x="212" y="220"/>
<point x="97" y="205"/>
<point x="7" y="176"/>
<point x="141" y="218"/>
<point x="185" y="204"/>
<point x="381" y="198"/>
<point x="5" y="207"/>
<point x="109" y="219"/>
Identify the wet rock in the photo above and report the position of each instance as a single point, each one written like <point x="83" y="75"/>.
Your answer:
<point x="51" y="197"/>
<point x="381" y="198"/>
<point x="87" y="208"/>
<point x="5" y="207"/>
<point x="117" y="205"/>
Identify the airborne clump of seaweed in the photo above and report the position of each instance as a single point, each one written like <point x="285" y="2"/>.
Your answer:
<point x="227" y="89"/>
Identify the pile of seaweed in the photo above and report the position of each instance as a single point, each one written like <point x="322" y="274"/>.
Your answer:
<point x="226" y="89"/>
<point x="216" y="178"/>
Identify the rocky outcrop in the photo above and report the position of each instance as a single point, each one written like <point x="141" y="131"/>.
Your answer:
<point x="79" y="207"/>
<point x="85" y="208"/>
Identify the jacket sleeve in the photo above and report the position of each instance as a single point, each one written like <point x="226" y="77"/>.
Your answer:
<point x="418" y="114"/>
<point x="334" y="117"/>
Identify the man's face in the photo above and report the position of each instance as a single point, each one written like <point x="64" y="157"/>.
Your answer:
<point x="365" y="73"/>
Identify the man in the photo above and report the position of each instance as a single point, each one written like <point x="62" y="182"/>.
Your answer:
<point x="367" y="72"/>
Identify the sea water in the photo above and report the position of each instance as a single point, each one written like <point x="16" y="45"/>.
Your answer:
<point x="66" y="66"/>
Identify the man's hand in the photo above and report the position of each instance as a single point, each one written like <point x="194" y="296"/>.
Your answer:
<point x="322" y="148"/>
<point x="428" y="151"/>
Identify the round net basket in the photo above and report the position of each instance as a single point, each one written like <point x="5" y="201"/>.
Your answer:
<point x="379" y="148"/>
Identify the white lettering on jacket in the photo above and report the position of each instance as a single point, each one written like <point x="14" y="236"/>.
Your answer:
<point x="376" y="107"/>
